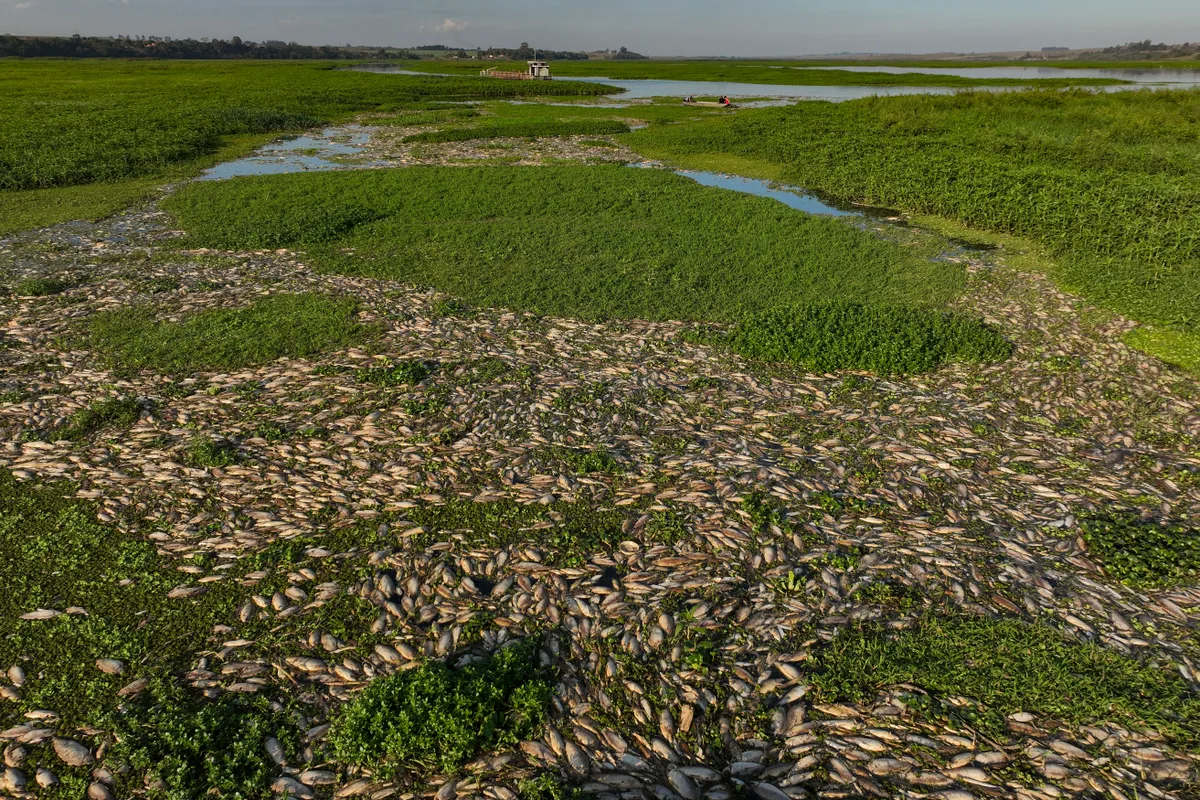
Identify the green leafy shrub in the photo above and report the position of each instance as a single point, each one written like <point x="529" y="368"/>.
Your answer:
<point x="295" y="326"/>
<point x="586" y="462"/>
<point x="523" y="129"/>
<point x="1008" y="666"/>
<point x="546" y="786"/>
<point x="196" y="747"/>
<point x="1143" y="552"/>
<point x="882" y="339"/>
<point x="400" y="374"/>
<point x="437" y="718"/>
<point x="40" y="287"/>
<point x="115" y="412"/>
<point x="206" y="451"/>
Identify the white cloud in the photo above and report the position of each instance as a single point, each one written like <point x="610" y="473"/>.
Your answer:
<point x="451" y="25"/>
<point x="26" y="5"/>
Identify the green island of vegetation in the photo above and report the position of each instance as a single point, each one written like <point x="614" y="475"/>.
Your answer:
<point x="573" y="241"/>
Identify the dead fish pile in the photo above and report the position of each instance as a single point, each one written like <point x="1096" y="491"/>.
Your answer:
<point x="963" y="487"/>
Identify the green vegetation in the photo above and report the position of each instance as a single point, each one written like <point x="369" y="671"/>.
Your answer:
<point x="86" y="122"/>
<point x="192" y="746"/>
<point x="567" y="534"/>
<point x="586" y="462"/>
<point x="206" y="451"/>
<point x="436" y="718"/>
<point x="1141" y="552"/>
<point x="40" y="287"/>
<point x="522" y="129"/>
<point x="584" y="242"/>
<point x="546" y="786"/>
<point x="431" y="114"/>
<point x="1008" y="666"/>
<point x="115" y="412"/>
<point x="1174" y="346"/>
<point x="39" y="208"/>
<point x="776" y="73"/>
<point x="292" y="326"/>
<point x="1105" y="182"/>
<point x="131" y="127"/>
<point x="401" y="374"/>
<point x="882" y="339"/>
<point x="55" y="555"/>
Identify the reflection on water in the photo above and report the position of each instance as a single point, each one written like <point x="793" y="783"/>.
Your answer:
<point x="302" y="154"/>
<point x="791" y="196"/>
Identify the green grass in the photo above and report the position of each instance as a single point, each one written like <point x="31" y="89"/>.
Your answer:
<point x="1008" y="666"/>
<point x="40" y="287"/>
<point x="882" y="339"/>
<point x="522" y="130"/>
<point x="114" y="413"/>
<point x="433" y="718"/>
<point x="1144" y="553"/>
<point x="584" y="242"/>
<point x="1107" y="184"/>
<point x="292" y="326"/>
<point x="777" y="73"/>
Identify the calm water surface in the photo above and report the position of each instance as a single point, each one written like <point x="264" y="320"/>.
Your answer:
<point x="303" y="154"/>
<point x="1148" y="75"/>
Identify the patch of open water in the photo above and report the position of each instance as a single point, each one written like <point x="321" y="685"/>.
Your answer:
<point x="310" y="153"/>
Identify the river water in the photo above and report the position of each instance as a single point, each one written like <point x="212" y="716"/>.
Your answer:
<point x="643" y="89"/>
<point x="1143" y="75"/>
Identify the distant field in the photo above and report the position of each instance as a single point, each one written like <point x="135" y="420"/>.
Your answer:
<point x="1108" y="183"/>
<point x="777" y="73"/>
<point x="583" y="242"/>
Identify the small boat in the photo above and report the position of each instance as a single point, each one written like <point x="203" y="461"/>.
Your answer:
<point x="708" y="104"/>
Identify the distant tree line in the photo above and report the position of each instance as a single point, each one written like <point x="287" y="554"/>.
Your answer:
<point x="527" y="53"/>
<point x="1146" y="50"/>
<point x="166" y="47"/>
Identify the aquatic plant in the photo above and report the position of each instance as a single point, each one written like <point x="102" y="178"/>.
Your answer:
<point x="883" y="339"/>
<point x="575" y="241"/>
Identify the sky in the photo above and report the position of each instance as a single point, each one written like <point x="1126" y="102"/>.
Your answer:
<point x="652" y="27"/>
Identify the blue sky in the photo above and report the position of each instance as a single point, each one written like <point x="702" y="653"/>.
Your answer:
<point x="655" y="27"/>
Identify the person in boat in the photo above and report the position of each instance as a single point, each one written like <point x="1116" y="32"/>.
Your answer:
<point x="689" y="99"/>
<point x="725" y="100"/>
